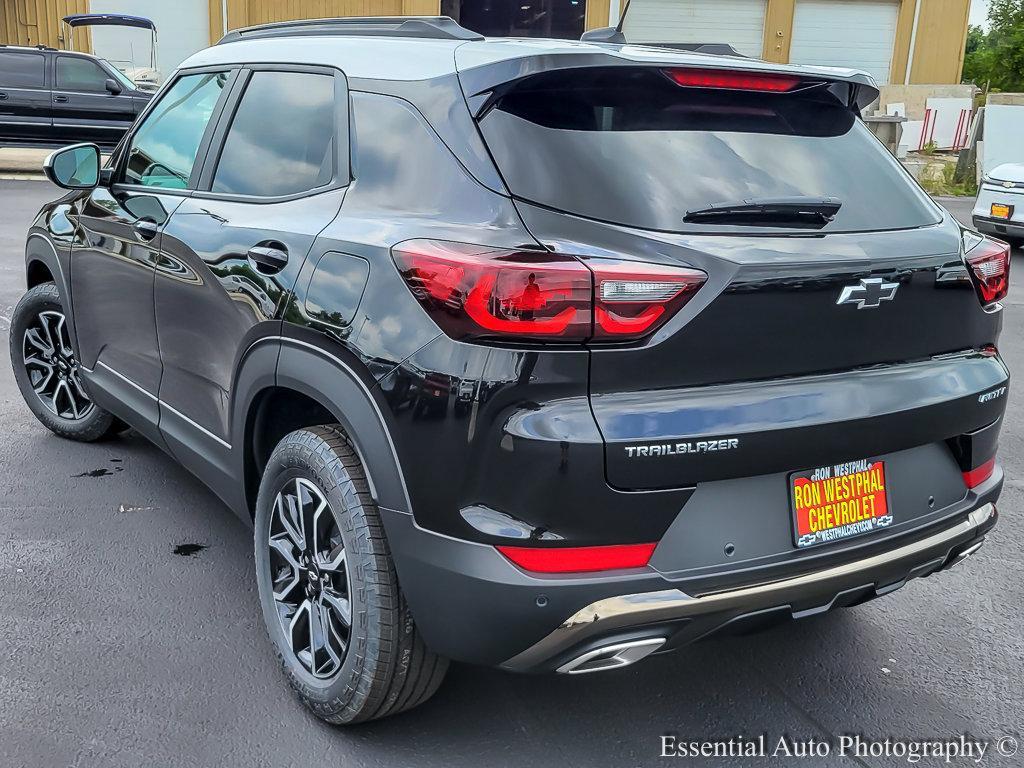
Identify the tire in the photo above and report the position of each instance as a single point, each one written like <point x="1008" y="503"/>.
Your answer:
<point x="50" y="383"/>
<point x="376" y="666"/>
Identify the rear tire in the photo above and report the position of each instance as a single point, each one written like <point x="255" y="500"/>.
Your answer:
<point x="47" y="371"/>
<point x="321" y="554"/>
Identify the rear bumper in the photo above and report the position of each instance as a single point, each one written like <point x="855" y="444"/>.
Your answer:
<point x="660" y="613"/>
<point x="472" y="605"/>
<point x="999" y="227"/>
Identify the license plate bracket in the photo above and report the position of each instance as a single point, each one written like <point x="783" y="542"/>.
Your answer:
<point x="839" y="502"/>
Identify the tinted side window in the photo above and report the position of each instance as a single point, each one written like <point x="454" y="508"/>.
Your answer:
<point x="80" y="75"/>
<point x="163" y="149"/>
<point x="281" y="141"/>
<point x="21" y="70"/>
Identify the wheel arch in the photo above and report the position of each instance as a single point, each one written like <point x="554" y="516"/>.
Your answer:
<point x="43" y="264"/>
<point x="311" y="387"/>
<point x="37" y="273"/>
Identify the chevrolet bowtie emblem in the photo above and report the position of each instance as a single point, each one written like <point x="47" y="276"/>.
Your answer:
<point x="869" y="293"/>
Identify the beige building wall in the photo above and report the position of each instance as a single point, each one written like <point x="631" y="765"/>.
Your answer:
<point x="38" y="22"/>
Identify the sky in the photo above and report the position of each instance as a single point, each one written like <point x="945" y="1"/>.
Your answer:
<point x="979" y="12"/>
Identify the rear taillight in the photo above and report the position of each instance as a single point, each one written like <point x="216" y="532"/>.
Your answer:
<point x="740" y="81"/>
<point x="975" y="477"/>
<point x="579" y="559"/>
<point x="631" y="300"/>
<point x="989" y="261"/>
<point x="478" y="292"/>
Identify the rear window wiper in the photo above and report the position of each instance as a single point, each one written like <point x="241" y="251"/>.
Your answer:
<point x="801" y="212"/>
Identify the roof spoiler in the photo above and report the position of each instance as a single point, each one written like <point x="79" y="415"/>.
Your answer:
<point x="484" y="83"/>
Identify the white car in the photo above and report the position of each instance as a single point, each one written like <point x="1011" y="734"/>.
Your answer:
<point x="999" y="209"/>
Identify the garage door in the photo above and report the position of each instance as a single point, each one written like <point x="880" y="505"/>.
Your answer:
<point x="737" y="22"/>
<point x="845" y="33"/>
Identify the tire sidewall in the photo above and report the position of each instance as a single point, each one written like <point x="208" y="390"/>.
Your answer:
<point x="348" y="688"/>
<point x="43" y="298"/>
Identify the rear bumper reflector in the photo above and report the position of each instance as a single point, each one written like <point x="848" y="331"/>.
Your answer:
<point x="975" y="477"/>
<point x="579" y="559"/>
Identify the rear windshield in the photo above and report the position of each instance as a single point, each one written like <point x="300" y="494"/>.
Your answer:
<point x="629" y="146"/>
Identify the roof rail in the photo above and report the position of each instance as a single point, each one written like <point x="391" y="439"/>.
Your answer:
<point x="426" y="27"/>
<point x="38" y="47"/>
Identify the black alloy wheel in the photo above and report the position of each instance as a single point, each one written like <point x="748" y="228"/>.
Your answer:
<point x="49" y="373"/>
<point x="335" y="613"/>
<point x="52" y="367"/>
<point x="309" y="577"/>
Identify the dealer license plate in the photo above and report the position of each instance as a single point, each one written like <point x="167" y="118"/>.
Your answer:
<point x="838" y="502"/>
<point x="1001" y="211"/>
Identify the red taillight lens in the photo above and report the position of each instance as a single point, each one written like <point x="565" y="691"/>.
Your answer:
<point x="478" y="292"/>
<point x="631" y="300"/>
<point x="579" y="559"/>
<point x="975" y="477"/>
<point x="989" y="261"/>
<point x="741" y="81"/>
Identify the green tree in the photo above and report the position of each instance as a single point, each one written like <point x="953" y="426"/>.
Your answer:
<point x="996" y="59"/>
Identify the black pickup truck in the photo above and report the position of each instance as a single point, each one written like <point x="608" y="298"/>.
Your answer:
<point x="53" y="97"/>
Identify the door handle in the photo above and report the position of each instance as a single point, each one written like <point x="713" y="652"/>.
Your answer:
<point x="146" y="229"/>
<point x="60" y="99"/>
<point x="269" y="257"/>
<point x="3" y="96"/>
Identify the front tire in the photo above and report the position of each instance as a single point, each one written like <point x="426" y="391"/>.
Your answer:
<point x="48" y="373"/>
<point x="333" y="609"/>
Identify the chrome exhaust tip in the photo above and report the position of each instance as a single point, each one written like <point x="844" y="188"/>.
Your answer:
<point x="612" y="656"/>
<point x="961" y="556"/>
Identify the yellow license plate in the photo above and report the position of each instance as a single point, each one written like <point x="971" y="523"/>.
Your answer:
<point x="1001" y="211"/>
<point x="839" y="501"/>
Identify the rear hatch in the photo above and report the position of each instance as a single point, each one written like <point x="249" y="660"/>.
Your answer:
<point x="838" y="320"/>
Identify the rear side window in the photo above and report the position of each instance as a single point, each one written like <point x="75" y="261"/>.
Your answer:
<point x="75" y="74"/>
<point x="21" y="70"/>
<point x="282" y="139"/>
<point x="630" y="146"/>
<point x="164" y="148"/>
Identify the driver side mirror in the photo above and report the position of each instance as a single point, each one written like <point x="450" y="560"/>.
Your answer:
<point x="74" y="167"/>
<point x="113" y="86"/>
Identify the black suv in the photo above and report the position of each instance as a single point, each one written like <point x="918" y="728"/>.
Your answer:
<point x="534" y="354"/>
<point x="49" y="96"/>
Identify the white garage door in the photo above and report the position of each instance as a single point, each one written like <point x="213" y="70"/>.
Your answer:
<point x="737" y="22"/>
<point x="845" y="33"/>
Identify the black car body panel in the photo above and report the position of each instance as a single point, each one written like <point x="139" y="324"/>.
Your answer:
<point x="245" y="305"/>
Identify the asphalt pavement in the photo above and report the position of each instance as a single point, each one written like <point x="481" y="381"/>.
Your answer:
<point x="130" y="633"/>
